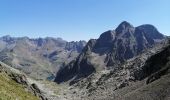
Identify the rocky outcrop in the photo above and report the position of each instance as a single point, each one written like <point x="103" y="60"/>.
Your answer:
<point x="33" y="88"/>
<point x="37" y="92"/>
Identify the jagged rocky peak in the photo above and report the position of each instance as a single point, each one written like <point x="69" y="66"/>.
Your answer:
<point x="125" y="24"/>
<point x="75" y="45"/>
<point x="40" y="41"/>
<point x="124" y="27"/>
<point x="112" y="49"/>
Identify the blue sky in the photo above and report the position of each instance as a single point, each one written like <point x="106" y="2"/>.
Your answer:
<point x="79" y="19"/>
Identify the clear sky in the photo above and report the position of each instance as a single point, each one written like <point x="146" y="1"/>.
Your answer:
<point x="79" y="19"/>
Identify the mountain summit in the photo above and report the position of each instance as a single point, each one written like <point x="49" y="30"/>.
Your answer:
<point x="110" y="50"/>
<point x="124" y="27"/>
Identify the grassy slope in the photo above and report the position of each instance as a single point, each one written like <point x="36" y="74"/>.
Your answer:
<point x="10" y="90"/>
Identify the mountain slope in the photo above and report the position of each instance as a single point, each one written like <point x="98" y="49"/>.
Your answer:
<point x="154" y="76"/>
<point x="156" y="72"/>
<point x="110" y="50"/>
<point x="144" y="77"/>
<point x="39" y="58"/>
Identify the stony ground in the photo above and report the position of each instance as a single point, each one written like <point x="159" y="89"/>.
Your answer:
<point x="52" y="90"/>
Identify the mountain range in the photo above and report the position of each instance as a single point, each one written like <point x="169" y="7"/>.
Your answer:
<point x="126" y="63"/>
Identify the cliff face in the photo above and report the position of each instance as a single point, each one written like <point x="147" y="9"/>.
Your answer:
<point x="110" y="50"/>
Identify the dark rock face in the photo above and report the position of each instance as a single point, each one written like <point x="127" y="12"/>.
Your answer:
<point x="79" y="67"/>
<point x="127" y="41"/>
<point x="120" y="45"/>
<point x="104" y="43"/>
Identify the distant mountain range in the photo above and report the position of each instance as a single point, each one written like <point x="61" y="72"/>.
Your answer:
<point x="39" y="58"/>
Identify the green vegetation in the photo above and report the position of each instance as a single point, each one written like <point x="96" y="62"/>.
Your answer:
<point x="10" y="90"/>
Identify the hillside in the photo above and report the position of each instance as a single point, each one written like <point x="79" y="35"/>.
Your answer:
<point x="14" y="85"/>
